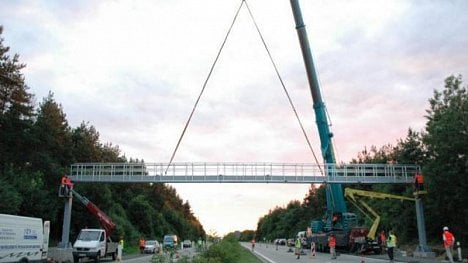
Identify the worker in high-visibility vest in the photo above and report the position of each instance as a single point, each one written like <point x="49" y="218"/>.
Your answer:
<point x="121" y="242"/>
<point x="68" y="182"/>
<point x="332" y="245"/>
<point x="418" y="182"/>
<point x="63" y="181"/>
<point x="141" y="244"/>
<point x="120" y="248"/>
<point x="391" y="244"/>
<point x="63" y="186"/>
<point x="382" y="240"/>
<point x="449" y="240"/>
<point x="298" y="246"/>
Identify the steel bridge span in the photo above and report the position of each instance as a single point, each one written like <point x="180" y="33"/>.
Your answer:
<point x="232" y="172"/>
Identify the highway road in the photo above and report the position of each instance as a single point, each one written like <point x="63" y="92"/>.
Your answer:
<point x="268" y="253"/>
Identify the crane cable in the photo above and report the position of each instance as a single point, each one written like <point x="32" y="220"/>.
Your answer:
<point x="284" y="88"/>
<point x="203" y="88"/>
<point x="277" y="73"/>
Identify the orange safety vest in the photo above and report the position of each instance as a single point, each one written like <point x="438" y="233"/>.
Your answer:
<point x="142" y="242"/>
<point x="419" y="179"/>
<point x="448" y="239"/>
<point x="332" y="241"/>
<point x="382" y="237"/>
<point x="68" y="182"/>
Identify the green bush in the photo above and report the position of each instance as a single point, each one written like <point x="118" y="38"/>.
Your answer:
<point x="207" y="260"/>
<point x="158" y="258"/>
<point x="227" y="251"/>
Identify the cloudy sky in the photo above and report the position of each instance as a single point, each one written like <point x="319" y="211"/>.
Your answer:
<point x="134" y="69"/>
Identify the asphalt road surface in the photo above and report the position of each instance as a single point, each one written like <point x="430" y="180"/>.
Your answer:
<point x="269" y="254"/>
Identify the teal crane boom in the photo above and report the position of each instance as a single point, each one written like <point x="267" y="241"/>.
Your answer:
<point x="334" y="194"/>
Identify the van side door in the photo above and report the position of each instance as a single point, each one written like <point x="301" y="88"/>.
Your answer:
<point x="102" y="244"/>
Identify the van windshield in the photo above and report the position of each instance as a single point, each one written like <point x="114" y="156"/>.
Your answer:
<point x="168" y="239"/>
<point x="89" y="235"/>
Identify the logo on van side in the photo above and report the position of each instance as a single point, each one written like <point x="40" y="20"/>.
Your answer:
<point x="30" y="234"/>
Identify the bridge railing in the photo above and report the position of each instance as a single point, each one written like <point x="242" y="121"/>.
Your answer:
<point x="243" y="172"/>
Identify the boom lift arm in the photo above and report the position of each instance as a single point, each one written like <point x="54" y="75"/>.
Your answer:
<point x="104" y="219"/>
<point x="353" y="196"/>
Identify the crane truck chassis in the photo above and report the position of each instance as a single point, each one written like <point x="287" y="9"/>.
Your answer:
<point x="360" y="239"/>
<point x="350" y="239"/>
<point x="94" y="243"/>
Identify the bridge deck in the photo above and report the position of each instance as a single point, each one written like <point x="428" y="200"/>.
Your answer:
<point x="290" y="173"/>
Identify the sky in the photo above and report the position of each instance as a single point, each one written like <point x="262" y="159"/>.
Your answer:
<point x="134" y="69"/>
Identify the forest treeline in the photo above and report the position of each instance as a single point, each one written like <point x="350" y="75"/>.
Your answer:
<point x="442" y="152"/>
<point x="37" y="147"/>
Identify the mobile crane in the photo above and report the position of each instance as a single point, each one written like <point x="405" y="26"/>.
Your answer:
<point x="337" y="219"/>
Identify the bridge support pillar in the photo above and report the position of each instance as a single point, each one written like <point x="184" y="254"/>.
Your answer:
<point x="422" y="250"/>
<point x="65" y="243"/>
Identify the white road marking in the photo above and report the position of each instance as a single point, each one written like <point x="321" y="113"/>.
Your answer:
<point x="265" y="257"/>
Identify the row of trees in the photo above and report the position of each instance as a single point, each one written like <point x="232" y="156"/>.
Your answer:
<point x="37" y="146"/>
<point x="441" y="150"/>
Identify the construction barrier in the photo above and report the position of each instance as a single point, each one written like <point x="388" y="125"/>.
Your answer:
<point x="312" y="248"/>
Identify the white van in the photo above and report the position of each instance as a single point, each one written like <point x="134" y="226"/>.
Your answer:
<point x="23" y="239"/>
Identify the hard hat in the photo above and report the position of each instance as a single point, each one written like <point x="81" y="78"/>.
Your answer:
<point x="445" y="228"/>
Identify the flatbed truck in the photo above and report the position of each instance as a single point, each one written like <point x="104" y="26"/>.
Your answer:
<point x="95" y="243"/>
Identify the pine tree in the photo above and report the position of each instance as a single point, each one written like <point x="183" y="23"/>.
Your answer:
<point x="446" y="170"/>
<point x="16" y="110"/>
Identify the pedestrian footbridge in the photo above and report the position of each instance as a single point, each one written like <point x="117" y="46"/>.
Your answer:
<point x="206" y="172"/>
